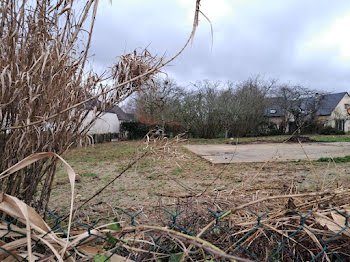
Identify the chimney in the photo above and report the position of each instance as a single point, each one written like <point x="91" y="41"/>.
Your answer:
<point x="317" y="97"/>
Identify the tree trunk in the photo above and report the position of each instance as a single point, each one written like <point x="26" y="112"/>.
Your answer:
<point x="226" y="133"/>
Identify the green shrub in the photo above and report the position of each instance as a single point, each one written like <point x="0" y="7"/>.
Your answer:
<point x="312" y="126"/>
<point x="135" y="130"/>
<point x="328" y="130"/>
<point x="268" y="128"/>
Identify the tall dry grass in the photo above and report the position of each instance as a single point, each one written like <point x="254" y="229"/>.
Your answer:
<point x="45" y="89"/>
<point x="45" y="97"/>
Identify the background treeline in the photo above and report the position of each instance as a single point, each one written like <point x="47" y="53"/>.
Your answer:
<point x="208" y="109"/>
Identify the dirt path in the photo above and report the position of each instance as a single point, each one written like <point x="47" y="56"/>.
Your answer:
<point x="221" y="154"/>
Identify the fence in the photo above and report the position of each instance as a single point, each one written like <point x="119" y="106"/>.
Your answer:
<point x="313" y="236"/>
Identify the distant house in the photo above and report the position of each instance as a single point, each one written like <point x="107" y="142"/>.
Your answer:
<point x="108" y="122"/>
<point x="332" y="110"/>
<point x="275" y="112"/>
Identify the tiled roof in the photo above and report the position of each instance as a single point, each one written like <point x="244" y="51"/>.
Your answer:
<point x="274" y="105"/>
<point x="115" y="109"/>
<point x="327" y="104"/>
<point x="120" y="113"/>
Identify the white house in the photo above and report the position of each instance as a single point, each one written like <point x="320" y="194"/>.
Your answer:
<point x="108" y="122"/>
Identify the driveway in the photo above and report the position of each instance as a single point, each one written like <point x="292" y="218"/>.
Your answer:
<point x="218" y="154"/>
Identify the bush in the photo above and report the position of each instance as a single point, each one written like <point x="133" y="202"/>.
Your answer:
<point x="173" y="128"/>
<point x="138" y="130"/>
<point x="328" y="130"/>
<point x="312" y="126"/>
<point x="269" y="129"/>
<point x="135" y="130"/>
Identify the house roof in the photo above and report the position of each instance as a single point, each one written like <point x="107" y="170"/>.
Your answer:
<point x="327" y="104"/>
<point x="120" y="113"/>
<point x="115" y="110"/>
<point x="274" y="105"/>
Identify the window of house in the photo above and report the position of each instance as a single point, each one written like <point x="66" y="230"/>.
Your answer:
<point x="273" y="111"/>
<point x="346" y="106"/>
<point x="339" y="124"/>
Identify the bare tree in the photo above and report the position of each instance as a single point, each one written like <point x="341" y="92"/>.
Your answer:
<point x="228" y="108"/>
<point x="250" y="101"/>
<point x="209" y="108"/>
<point x="155" y="103"/>
<point x="298" y="104"/>
<point x="199" y="109"/>
<point x="213" y="108"/>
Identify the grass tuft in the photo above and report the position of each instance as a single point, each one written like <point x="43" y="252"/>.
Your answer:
<point x="89" y="175"/>
<point x="344" y="159"/>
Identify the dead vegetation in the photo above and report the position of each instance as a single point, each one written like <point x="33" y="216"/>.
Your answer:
<point x="253" y="219"/>
<point x="46" y="91"/>
<point x="41" y="74"/>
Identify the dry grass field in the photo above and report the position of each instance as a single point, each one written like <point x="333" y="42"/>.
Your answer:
<point x="165" y="177"/>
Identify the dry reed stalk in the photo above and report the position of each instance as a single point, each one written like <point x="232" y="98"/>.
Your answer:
<point x="135" y="238"/>
<point x="321" y="222"/>
<point x="41" y="72"/>
<point x="44" y="94"/>
<point x="277" y="209"/>
<point x="45" y="89"/>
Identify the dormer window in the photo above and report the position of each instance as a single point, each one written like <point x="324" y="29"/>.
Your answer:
<point x="273" y="111"/>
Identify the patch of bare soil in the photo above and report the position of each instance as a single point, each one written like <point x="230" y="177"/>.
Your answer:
<point x="301" y="139"/>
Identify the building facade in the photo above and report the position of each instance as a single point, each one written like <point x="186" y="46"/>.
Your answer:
<point x="329" y="109"/>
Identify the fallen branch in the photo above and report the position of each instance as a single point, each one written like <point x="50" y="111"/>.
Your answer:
<point x="194" y="240"/>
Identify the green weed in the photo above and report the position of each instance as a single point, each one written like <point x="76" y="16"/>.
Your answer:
<point x="177" y="171"/>
<point x="344" y="159"/>
<point x="152" y="177"/>
<point x="89" y="175"/>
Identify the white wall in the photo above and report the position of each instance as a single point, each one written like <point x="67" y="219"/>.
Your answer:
<point x="106" y="123"/>
<point x="340" y="113"/>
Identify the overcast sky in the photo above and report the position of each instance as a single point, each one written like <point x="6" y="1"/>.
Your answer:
<point x="303" y="42"/>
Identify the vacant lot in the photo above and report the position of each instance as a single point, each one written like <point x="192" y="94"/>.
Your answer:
<point x="224" y="154"/>
<point x="174" y="171"/>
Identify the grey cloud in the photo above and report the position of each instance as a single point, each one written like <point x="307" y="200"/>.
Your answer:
<point x="260" y="39"/>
